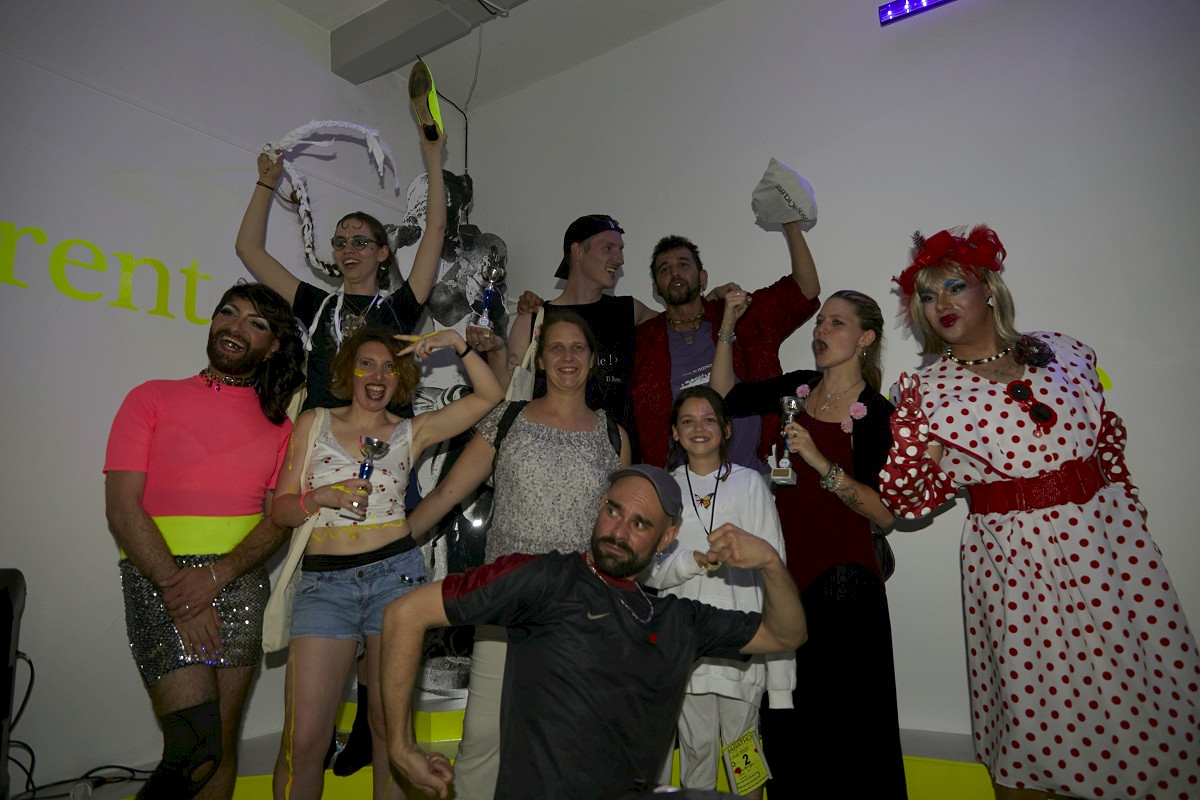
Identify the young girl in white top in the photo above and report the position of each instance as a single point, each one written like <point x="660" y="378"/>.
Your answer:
<point x="723" y="696"/>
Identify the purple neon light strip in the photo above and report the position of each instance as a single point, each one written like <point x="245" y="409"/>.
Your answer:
<point x="902" y="9"/>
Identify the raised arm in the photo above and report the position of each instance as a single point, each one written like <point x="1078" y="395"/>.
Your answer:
<point x="404" y="624"/>
<point x="804" y="269"/>
<point x="722" y="379"/>
<point x="520" y="334"/>
<point x="454" y="418"/>
<point x="429" y="251"/>
<point x="250" y="244"/>
<point x="784" y="626"/>
<point x="469" y="471"/>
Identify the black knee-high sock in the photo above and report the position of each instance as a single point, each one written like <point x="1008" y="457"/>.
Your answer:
<point x="357" y="752"/>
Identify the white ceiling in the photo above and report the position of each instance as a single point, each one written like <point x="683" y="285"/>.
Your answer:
<point x="538" y="39"/>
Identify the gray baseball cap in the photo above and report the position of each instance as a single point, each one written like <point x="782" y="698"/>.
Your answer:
<point x="665" y="487"/>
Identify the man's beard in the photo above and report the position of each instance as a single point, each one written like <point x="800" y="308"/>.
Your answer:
<point x="240" y="365"/>
<point x="617" y="566"/>
<point x="681" y="295"/>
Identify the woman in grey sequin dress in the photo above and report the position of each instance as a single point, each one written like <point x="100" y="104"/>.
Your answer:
<point x="550" y="473"/>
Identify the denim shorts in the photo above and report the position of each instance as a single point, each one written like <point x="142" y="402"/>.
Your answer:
<point x="349" y="603"/>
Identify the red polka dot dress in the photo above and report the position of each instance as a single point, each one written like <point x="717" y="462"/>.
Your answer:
<point x="1084" y="676"/>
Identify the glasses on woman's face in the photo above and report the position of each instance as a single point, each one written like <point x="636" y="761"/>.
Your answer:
<point x="359" y="242"/>
<point x="1043" y="416"/>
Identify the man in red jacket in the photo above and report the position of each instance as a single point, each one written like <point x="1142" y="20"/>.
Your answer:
<point x="675" y="349"/>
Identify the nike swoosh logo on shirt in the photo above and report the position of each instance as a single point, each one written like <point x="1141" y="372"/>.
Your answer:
<point x="598" y="616"/>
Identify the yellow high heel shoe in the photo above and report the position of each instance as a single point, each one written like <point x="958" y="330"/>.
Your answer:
<point x="423" y="95"/>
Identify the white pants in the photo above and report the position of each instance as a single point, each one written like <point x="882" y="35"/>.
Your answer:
<point x="478" y="761"/>
<point x="706" y="720"/>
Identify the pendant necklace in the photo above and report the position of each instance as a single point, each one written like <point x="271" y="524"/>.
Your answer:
<point x="712" y="507"/>
<point x="676" y="323"/>
<point x="712" y="502"/>
<point x="831" y="398"/>
<point x="587" y="557"/>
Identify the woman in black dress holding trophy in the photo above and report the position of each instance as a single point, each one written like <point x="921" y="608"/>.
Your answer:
<point x="837" y="440"/>
<point x="345" y="475"/>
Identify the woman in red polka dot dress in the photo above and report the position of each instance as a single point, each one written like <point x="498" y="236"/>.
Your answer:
<point x="1084" y="676"/>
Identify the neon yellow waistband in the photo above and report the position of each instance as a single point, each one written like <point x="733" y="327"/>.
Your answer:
<point x="190" y="536"/>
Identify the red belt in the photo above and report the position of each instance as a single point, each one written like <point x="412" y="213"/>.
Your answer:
<point x="1073" y="482"/>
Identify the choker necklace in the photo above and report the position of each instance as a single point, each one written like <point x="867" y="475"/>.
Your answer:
<point x="676" y="324"/>
<point x="214" y="381"/>
<point x="974" y="362"/>
<point x="587" y="557"/>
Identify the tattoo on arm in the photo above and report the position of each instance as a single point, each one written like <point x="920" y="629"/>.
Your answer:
<point x="849" y="495"/>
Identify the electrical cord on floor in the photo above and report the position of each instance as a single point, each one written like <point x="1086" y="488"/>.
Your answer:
<point x="82" y="786"/>
<point x="30" y="786"/>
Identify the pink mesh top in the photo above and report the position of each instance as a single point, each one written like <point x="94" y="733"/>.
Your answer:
<point x="205" y="452"/>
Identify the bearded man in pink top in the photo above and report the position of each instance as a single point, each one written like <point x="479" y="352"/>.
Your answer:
<point x="189" y="471"/>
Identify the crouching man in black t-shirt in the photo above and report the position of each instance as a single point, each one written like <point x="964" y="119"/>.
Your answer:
<point x="596" y="668"/>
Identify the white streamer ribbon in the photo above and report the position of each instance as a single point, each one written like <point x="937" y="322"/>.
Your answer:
<point x="378" y="150"/>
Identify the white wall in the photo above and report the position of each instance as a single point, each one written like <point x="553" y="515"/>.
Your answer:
<point x="1069" y="126"/>
<point x="134" y="125"/>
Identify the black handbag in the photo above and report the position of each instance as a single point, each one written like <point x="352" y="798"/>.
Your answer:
<point x="883" y="552"/>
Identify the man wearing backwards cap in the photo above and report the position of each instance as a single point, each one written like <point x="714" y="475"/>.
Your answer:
<point x="592" y="256"/>
<point x="596" y="668"/>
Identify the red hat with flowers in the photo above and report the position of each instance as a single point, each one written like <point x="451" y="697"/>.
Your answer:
<point x="971" y="252"/>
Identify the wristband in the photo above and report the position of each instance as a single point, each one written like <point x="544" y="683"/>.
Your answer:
<point x="727" y="338"/>
<point x="266" y="186"/>
<point x="465" y="352"/>
<point x="307" y="513"/>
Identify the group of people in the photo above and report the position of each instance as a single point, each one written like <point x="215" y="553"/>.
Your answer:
<point x="641" y="462"/>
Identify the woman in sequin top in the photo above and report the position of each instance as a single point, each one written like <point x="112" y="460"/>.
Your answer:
<point x="360" y="555"/>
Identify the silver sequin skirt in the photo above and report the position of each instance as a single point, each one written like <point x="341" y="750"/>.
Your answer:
<point x="154" y="641"/>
